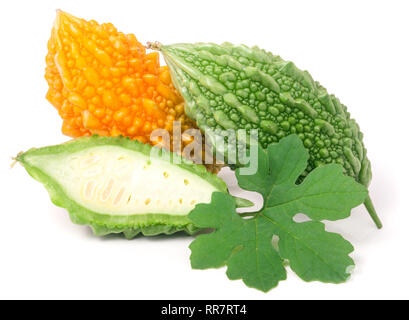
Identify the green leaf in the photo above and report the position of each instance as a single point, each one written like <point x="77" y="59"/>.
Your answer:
<point x="245" y="245"/>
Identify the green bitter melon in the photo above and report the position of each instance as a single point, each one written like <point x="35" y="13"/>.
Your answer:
<point x="118" y="185"/>
<point x="237" y="87"/>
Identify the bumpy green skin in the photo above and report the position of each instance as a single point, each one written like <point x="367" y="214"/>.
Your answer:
<point x="102" y="224"/>
<point x="237" y="87"/>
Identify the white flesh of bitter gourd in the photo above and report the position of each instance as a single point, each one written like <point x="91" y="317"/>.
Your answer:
<point x="117" y="185"/>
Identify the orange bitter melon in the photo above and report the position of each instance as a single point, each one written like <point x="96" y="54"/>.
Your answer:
<point x="103" y="82"/>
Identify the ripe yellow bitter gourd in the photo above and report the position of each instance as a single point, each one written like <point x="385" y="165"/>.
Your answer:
<point x="103" y="82"/>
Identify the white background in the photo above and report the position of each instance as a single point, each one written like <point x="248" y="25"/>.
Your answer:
<point x="357" y="49"/>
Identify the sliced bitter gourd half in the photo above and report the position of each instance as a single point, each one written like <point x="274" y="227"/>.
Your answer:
<point x="118" y="185"/>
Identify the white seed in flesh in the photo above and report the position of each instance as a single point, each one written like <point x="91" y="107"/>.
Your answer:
<point x="119" y="196"/>
<point x="89" y="190"/>
<point x="107" y="190"/>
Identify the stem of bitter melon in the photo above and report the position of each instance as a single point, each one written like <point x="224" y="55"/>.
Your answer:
<point x="371" y="210"/>
<point x="153" y="45"/>
<point x="243" y="203"/>
<point x="15" y="159"/>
